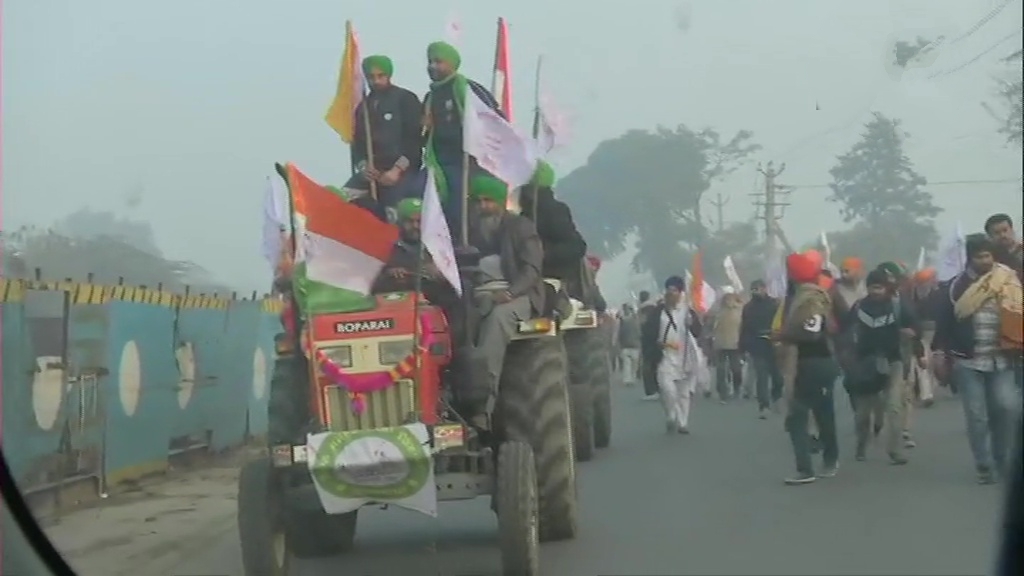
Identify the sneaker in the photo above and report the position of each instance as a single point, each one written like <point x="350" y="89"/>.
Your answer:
<point x="897" y="460"/>
<point x="683" y="430"/>
<point x="650" y="397"/>
<point x="986" y="476"/>
<point x="800" y="479"/>
<point x="762" y="415"/>
<point x="909" y="443"/>
<point x="829" y="471"/>
<point x="928" y="402"/>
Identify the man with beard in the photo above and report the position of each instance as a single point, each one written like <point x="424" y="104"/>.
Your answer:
<point x="402" y="268"/>
<point x="395" y="136"/>
<point x="511" y="286"/>
<point x="671" y="332"/>
<point x="878" y="324"/>
<point x="755" y="342"/>
<point x="969" y="329"/>
<point x="1010" y="251"/>
<point x="809" y="368"/>
<point x="444" y="106"/>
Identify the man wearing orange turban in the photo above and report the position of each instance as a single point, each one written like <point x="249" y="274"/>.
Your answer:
<point x="808" y="368"/>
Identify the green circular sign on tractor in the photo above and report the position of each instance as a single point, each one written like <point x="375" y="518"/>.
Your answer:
<point x="402" y="472"/>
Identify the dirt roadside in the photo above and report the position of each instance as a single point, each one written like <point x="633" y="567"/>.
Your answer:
<point x="149" y="530"/>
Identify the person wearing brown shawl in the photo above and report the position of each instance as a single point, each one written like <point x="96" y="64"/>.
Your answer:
<point x="809" y="370"/>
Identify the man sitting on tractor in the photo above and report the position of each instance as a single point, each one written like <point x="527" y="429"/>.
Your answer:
<point x="389" y="156"/>
<point x="402" y="268"/>
<point x="511" y="287"/>
<point x="564" y="247"/>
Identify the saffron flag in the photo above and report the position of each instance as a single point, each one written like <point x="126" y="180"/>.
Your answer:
<point x="437" y="238"/>
<point x="341" y="115"/>
<point x="697" y="286"/>
<point x="345" y="246"/>
<point x="502" y="87"/>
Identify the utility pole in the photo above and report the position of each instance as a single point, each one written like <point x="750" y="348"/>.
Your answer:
<point x="719" y="204"/>
<point x="769" y="202"/>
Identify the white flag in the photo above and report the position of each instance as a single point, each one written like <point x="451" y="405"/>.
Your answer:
<point x="826" y="250"/>
<point x="553" y="127"/>
<point x="952" y="256"/>
<point x="436" y="237"/>
<point x="497" y="146"/>
<point x="775" y="274"/>
<point x="730" y="272"/>
<point x="922" y="259"/>
<point x="275" y="218"/>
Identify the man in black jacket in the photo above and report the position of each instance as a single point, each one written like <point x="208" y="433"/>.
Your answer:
<point x="755" y="342"/>
<point x="390" y="154"/>
<point x="564" y="247"/>
<point x="444" y="106"/>
<point x="879" y="324"/>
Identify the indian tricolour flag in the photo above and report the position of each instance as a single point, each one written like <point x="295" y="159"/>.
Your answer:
<point x="345" y="247"/>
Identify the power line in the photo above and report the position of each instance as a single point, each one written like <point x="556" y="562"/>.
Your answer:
<point x="938" y="183"/>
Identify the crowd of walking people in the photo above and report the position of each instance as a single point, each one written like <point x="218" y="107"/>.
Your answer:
<point x="892" y="338"/>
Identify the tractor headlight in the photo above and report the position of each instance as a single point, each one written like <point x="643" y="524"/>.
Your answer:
<point x="394" y="352"/>
<point x="340" y="355"/>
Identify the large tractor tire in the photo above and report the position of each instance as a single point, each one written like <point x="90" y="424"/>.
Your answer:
<point x="288" y="402"/>
<point x="261" y="524"/>
<point x="534" y="404"/>
<point x="589" y="365"/>
<point x="518" y="510"/>
<point x="581" y="403"/>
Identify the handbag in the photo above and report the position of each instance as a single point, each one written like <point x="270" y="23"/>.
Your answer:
<point x="1011" y="330"/>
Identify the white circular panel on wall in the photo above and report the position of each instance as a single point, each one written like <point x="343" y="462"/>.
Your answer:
<point x="47" y="391"/>
<point x="129" y="377"/>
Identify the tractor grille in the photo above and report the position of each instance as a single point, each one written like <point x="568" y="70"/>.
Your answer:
<point x="394" y="406"/>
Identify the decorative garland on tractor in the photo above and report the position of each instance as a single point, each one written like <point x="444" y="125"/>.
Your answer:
<point x="359" y="385"/>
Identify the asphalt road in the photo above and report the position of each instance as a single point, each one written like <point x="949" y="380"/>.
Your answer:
<point x="710" y="503"/>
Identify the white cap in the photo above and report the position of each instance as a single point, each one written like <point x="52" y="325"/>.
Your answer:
<point x="728" y="290"/>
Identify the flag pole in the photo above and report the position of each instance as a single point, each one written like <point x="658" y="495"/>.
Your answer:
<point x="497" y="54"/>
<point x="536" y="99"/>
<point x="350" y="33"/>
<point x="536" y="126"/>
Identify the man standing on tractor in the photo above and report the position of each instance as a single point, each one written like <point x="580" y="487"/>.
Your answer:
<point x="511" y="286"/>
<point x="399" y="274"/>
<point x="387" y="146"/>
<point x="444" y="106"/>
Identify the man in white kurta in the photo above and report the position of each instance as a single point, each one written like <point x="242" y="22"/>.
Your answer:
<point x="682" y="364"/>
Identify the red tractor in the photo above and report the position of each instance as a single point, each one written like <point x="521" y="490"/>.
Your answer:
<point x="354" y="420"/>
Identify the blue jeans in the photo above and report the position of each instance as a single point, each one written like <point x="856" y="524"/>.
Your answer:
<point x="990" y="401"/>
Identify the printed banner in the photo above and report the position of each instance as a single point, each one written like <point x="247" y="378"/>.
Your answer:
<point x="386" y="466"/>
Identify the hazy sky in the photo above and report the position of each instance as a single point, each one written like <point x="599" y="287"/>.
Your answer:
<point x="191" y="101"/>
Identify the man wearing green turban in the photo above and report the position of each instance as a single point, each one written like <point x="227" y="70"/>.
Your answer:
<point x="512" y="288"/>
<point x="386" y="149"/>
<point x="444" y="106"/>
<point x="564" y="247"/>
<point x="409" y="259"/>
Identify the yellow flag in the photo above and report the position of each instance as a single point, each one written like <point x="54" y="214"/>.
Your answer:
<point x="341" y="114"/>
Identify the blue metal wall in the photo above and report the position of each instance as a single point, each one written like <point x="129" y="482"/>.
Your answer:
<point x="129" y="376"/>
